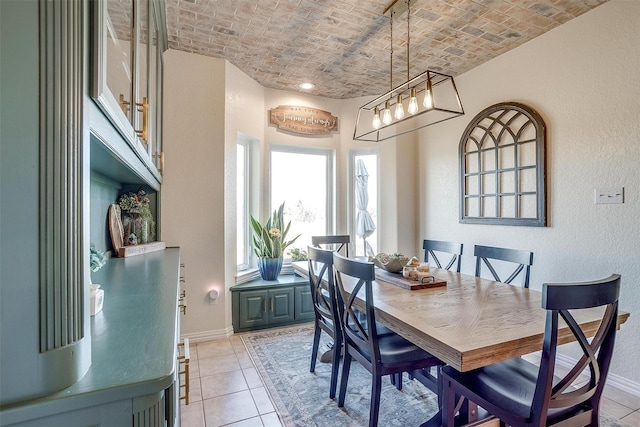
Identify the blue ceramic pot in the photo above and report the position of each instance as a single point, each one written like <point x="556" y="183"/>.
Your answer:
<point x="270" y="267"/>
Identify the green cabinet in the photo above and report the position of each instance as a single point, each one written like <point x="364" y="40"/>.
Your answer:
<point x="262" y="304"/>
<point x="303" y="303"/>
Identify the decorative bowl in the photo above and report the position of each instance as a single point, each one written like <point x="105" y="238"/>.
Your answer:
<point x="392" y="263"/>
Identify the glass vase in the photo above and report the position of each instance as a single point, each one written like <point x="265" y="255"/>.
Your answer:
<point x="143" y="237"/>
<point x="270" y="267"/>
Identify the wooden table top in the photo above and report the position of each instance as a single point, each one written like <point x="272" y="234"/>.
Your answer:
<point x="471" y="322"/>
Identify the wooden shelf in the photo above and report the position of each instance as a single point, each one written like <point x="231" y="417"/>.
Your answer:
<point x="145" y="248"/>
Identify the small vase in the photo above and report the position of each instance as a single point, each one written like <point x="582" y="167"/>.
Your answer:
<point x="144" y="231"/>
<point x="270" y="267"/>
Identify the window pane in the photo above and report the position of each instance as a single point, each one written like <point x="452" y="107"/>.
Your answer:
<point x="241" y="208"/>
<point x="367" y="201"/>
<point x="300" y="181"/>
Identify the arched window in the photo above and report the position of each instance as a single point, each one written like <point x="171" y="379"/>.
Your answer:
<point x="502" y="167"/>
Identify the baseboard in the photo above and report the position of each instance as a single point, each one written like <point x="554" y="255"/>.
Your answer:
<point x="209" y="335"/>
<point x="613" y="380"/>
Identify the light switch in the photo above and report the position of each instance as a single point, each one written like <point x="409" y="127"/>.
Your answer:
<point x="609" y="195"/>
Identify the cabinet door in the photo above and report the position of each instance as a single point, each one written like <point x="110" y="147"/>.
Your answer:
<point x="281" y="306"/>
<point x="140" y="106"/>
<point x="253" y="309"/>
<point x="112" y="82"/>
<point x="130" y="36"/>
<point x="304" y="305"/>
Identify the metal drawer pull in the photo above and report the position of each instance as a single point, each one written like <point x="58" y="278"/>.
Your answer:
<point x="183" y="363"/>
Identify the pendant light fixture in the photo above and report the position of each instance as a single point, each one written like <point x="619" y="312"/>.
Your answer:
<point x="440" y="98"/>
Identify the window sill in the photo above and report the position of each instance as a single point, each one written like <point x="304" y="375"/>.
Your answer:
<point x="250" y="274"/>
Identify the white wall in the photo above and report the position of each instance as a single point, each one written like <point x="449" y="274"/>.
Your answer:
<point x="192" y="211"/>
<point x="245" y="113"/>
<point x="582" y="78"/>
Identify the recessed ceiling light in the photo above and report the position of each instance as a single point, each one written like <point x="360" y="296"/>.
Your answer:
<point x="306" y="86"/>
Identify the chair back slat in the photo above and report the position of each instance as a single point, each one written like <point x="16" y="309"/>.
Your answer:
<point x="523" y="259"/>
<point x="568" y="391"/>
<point x="435" y="248"/>
<point x="321" y="281"/>
<point x="338" y="243"/>
<point x="359" y="329"/>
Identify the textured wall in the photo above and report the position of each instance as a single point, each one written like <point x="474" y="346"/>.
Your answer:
<point x="582" y="79"/>
<point x="193" y="182"/>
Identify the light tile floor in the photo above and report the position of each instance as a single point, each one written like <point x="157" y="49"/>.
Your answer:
<point x="226" y="390"/>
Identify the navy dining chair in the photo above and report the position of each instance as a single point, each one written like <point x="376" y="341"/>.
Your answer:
<point x="523" y="260"/>
<point x="436" y="248"/>
<point x="521" y="393"/>
<point x="323" y="296"/>
<point x="380" y="354"/>
<point x="338" y="243"/>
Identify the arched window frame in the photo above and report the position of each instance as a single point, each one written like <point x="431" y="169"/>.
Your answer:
<point x="484" y="198"/>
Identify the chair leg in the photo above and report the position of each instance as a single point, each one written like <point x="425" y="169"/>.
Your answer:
<point x="376" y="388"/>
<point x="396" y="380"/>
<point x="448" y="404"/>
<point x="346" y="366"/>
<point x="337" y="350"/>
<point x="314" y="349"/>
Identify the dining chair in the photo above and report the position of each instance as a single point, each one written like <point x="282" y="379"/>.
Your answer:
<point x="323" y="296"/>
<point x="520" y="393"/>
<point x="380" y="354"/>
<point x="434" y="247"/>
<point x="523" y="259"/>
<point x="337" y="243"/>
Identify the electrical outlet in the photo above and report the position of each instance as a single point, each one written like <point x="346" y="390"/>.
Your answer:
<point x="609" y="195"/>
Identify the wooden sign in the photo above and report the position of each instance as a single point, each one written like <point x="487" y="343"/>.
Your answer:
<point x="303" y="120"/>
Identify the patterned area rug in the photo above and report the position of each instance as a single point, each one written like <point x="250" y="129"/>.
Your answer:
<point x="282" y="358"/>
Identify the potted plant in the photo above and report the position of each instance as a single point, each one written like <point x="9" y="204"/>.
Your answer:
<point x="269" y="243"/>
<point x="97" y="259"/>
<point x="298" y="254"/>
<point x="137" y="218"/>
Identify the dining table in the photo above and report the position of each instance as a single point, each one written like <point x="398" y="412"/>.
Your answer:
<point x="468" y="322"/>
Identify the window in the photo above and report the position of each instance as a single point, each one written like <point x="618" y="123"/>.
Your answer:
<point x="365" y="202"/>
<point x="302" y="178"/>
<point x="243" y="233"/>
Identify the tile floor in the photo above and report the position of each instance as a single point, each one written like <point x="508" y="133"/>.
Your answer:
<point x="226" y="390"/>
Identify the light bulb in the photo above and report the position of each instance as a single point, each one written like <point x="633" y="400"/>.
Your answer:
<point x="376" y="118"/>
<point x="428" y="97"/>
<point x="399" y="113"/>
<point x="386" y="114"/>
<point x="413" y="102"/>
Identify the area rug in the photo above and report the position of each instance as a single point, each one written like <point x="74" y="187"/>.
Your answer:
<point x="282" y="358"/>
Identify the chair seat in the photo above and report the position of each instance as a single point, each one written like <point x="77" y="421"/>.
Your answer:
<point x="395" y="350"/>
<point x="510" y="385"/>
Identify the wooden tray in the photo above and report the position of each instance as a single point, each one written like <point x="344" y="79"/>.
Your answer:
<point x="115" y="228"/>
<point x="144" y="248"/>
<point x="399" y="280"/>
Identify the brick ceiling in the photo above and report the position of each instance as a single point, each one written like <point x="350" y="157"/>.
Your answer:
<point x="344" y="46"/>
